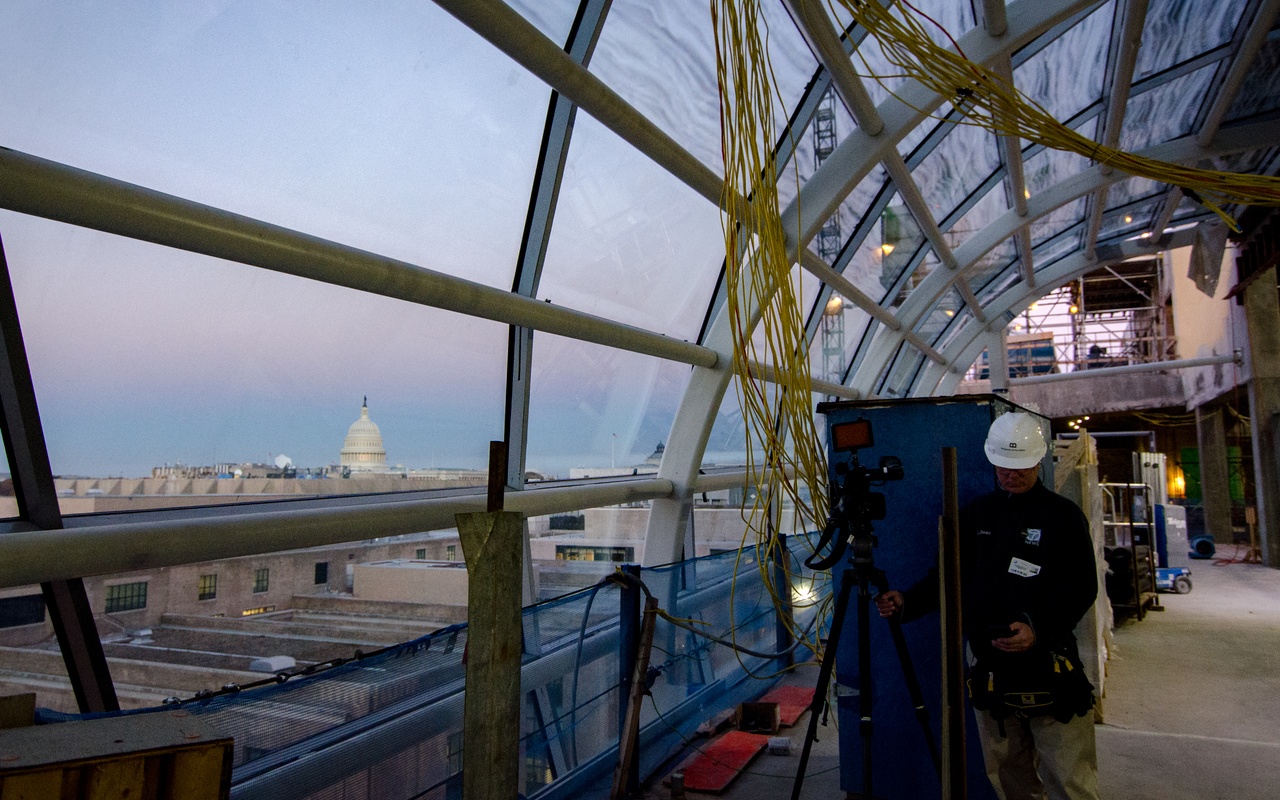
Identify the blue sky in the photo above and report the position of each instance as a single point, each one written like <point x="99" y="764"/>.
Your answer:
<point x="385" y="127"/>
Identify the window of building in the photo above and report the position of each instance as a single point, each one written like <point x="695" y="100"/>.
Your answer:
<point x="261" y="579"/>
<point x="249" y="612"/>
<point x="207" y="589"/>
<point x="126" y="597"/>
<point x="25" y="610"/>
<point x="422" y="554"/>
<point x="451" y="552"/>
<point x="322" y="572"/>
<point x="568" y="552"/>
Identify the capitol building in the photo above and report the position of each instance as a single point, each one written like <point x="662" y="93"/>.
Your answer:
<point x="362" y="450"/>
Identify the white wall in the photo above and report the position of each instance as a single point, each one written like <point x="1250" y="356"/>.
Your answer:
<point x="1206" y="326"/>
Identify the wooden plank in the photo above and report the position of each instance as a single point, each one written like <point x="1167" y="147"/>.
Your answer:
<point x="17" y="710"/>
<point x="199" y="774"/>
<point x="493" y="546"/>
<point x="33" y="786"/>
<point x="99" y="739"/>
<point x="116" y="780"/>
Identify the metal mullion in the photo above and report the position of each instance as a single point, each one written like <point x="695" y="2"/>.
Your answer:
<point x="1244" y="58"/>
<point x="548" y="178"/>
<point x="66" y="600"/>
<point x="1120" y="80"/>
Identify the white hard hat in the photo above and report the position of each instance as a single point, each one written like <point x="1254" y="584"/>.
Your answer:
<point x="1015" y="441"/>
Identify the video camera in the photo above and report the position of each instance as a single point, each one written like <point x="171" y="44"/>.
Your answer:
<point x="853" y="504"/>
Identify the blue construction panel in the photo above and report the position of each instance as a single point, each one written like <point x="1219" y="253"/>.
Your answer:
<point x="915" y="431"/>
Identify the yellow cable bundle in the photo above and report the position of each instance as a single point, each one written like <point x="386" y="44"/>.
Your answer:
<point x="993" y="103"/>
<point x="778" y="416"/>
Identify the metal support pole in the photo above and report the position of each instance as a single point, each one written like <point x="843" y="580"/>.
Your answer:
<point x="955" y="785"/>
<point x="66" y="600"/>
<point x="629" y="603"/>
<point x="786" y="614"/>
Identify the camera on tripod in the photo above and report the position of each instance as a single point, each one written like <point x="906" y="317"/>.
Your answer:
<point x="854" y="506"/>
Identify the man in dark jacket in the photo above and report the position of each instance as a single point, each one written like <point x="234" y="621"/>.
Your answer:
<point x="1028" y="576"/>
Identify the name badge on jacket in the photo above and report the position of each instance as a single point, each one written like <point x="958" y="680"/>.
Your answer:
<point x="1024" y="569"/>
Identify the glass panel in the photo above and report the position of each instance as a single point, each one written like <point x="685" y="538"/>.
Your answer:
<point x="838" y="334"/>
<point x="592" y="406"/>
<point x="991" y="207"/>
<point x="1129" y="220"/>
<point x="630" y="242"/>
<point x="1166" y="112"/>
<point x="954" y="18"/>
<point x="903" y="371"/>
<point x="1132" y="189"/>
<point x="953" y="327"/>
<point x="992" y="264"/>
<point x="898" y="240"/>
<point x="189" y="375"/>
<point x="553" y="17"/>
<point x="932" y="324"/>
<point x="362" y="126"/>
<point x="1066" y="76"/>
<point x="955" y="168"/>
<point x="831" y="124"/>
<point x="999" y="285"/>
<point x="1260" y="91"/>
<point x="1056" y="221"/>
<point x="727" y="444"/>
<point x="1047" y="167"/>
<point x="1177" y="30"/>
<point x="660" y="57"/>
<point x="1061" y="245"/>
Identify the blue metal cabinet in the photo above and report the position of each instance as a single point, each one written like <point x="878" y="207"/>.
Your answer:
<point x="915" y="431"/>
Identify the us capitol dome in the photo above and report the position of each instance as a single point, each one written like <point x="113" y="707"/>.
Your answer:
<point x="362" y="450"/>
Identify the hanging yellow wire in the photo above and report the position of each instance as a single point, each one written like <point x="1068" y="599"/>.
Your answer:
<point x="781" y="436"/>
<point x="991" y="102"/>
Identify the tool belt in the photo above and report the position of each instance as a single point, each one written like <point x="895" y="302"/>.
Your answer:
<point x="1037" y="683"/>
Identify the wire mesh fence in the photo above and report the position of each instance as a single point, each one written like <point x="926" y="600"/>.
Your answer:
<point x="388" y="724"/>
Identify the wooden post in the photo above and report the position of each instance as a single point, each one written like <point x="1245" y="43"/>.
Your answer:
<point x="493" y="548"/>
<point x="954" y="773"/>
<point x="628" y="744"/>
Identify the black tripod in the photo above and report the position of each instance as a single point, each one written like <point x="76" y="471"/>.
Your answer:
<point x="862" y="571"/>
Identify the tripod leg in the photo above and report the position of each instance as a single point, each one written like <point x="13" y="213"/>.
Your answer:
<point x="864" y="683"/>
<point x="824" y="678"/>
<point x="909" y="674"/>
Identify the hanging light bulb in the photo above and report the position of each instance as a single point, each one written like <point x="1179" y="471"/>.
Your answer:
<point x="886" y="248"/>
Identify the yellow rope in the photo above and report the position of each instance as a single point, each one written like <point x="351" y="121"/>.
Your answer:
<point x="778" y="416"/>
<point x="760" y="280"/>
<point x="991" y="102"/>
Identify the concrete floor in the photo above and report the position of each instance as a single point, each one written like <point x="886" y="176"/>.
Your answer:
<point x="1192" y="706"/>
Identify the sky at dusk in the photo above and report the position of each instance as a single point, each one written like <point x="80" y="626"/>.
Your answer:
<point x="389" y="128"/>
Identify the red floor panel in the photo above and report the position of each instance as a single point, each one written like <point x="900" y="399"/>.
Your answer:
<point x="713" y="769"/>
<point x="792" y="702"/>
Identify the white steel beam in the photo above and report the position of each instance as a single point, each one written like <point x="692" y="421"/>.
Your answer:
<point x="994" y="18"/>
<point x="96" y="546"/>
<point x="1135" y="16"/>
<point x="42" y="188"/>
<point x="1127" y="369"/>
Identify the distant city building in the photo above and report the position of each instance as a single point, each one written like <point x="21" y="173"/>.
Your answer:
<point x="362" y="450"/>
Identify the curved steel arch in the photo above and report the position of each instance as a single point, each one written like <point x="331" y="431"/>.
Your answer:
<point x="1230" y="140"/>
<point x="968" y="343"/>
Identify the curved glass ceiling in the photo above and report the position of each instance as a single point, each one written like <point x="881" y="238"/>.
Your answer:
<point x="405" y="133"/>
